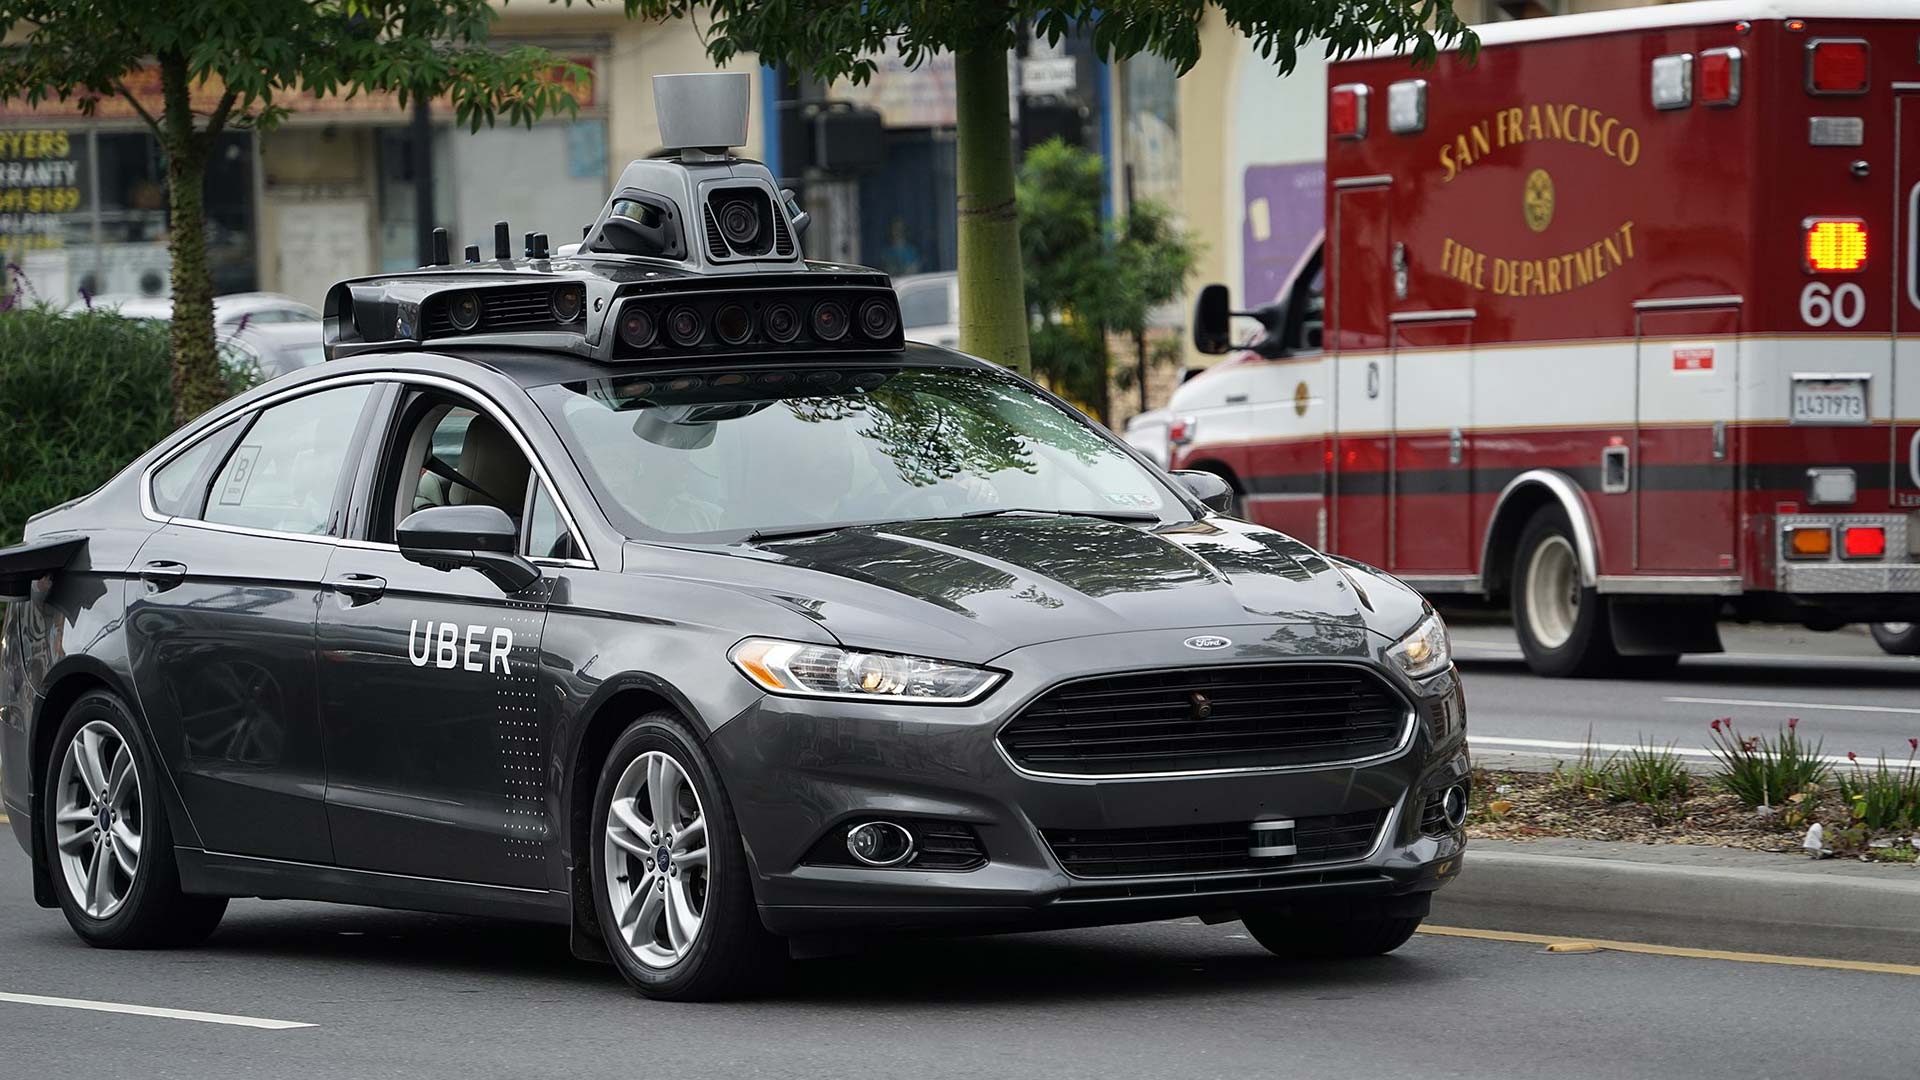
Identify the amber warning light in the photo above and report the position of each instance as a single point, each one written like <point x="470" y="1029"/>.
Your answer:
<point x="1835" y="244"/>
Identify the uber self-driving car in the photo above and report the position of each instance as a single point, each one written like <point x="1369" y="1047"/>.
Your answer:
<point x="664" y="592"/>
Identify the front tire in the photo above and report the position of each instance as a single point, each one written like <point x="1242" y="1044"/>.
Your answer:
<point x="1897" y="638"/>
<point x="108" y="840"/>
<point x="670" y="877"/>
<point x="1349" y="933"/>
<point x="1562" y="624"/>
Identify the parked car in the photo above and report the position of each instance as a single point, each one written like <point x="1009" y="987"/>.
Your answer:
<point x="274" y="348"/>
<point x="229" y="311"/>
<point x="930" y="308"/>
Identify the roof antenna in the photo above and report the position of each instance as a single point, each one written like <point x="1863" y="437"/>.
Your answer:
<point x="530" y="237"/>
<point x="502" y="241"/>
<point x="441" y="257"/>
<point x="473" y="253"/>
<point x="540" y="245"/>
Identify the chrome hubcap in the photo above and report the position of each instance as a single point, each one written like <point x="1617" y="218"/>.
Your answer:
<point x="1552" y="592"/>
<point x="98" y="819"/>
<point x="656" y="862"/>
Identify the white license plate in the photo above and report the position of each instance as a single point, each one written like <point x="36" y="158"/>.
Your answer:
<point x="1829" y="401"/>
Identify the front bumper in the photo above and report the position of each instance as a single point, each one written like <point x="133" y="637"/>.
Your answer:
<point x="796" y="769"/>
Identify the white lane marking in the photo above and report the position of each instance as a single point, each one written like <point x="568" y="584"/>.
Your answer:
<point x="1608" y="748"/>
<point x="1814" y="705"/>
<point x="149" y="1010"/>
<point x="1472" y="652"/>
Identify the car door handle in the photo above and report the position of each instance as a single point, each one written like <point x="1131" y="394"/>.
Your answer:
<point x="163" y="574"/>
<point x="359" y="588"/>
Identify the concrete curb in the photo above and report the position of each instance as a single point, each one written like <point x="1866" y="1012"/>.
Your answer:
<point x="1713" y="898"/>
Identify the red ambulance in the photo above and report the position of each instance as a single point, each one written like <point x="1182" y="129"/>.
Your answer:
<point x="1618" y="323"/>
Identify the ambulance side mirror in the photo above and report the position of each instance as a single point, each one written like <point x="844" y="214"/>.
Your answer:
<point x="1213" y="320"/>
<point x="456" y="537"/>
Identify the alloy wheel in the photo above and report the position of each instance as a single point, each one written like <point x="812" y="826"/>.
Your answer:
<point x="98" y="819"/>
<point x="656" y="860"/>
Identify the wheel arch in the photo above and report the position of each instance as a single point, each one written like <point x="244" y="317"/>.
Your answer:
<point x="1523" y="497"/>
<point x="618" y="702"/>
<point x="69" y="680"/>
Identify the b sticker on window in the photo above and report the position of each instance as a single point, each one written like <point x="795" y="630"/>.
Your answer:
<point x="238" y="475"/>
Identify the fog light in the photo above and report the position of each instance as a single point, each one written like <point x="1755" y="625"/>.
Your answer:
<point x="1863" y="542"/>
<point x="1454" y="805"/>
<point x="1809" y="541"/>
<point x="880" y="843"/>
<point x="1831" y="487"/>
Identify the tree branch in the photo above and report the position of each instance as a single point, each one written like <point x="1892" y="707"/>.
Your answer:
<point x="121" y="88"/>
<point x="218" y="121"/>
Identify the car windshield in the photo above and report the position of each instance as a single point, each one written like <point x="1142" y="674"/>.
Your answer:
<point x="721" y="456"/>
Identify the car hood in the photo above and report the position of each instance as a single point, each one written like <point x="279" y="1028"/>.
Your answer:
<point x="972" y="589"/>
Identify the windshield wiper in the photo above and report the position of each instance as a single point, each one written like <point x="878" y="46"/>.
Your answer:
<point x="788" y="532"/>
<point x="1103" y="515"/>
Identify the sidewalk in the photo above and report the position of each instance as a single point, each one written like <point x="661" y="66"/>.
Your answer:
<point x="1703" y="897"/>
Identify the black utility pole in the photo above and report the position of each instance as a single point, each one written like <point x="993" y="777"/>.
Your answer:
<point x="423" y="177"/>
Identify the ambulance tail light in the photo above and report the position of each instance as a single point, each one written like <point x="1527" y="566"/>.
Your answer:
<point x="1720" y="77"/>
<point x="1347" y="111"/>
<point x="1863" y="542"/>
<point x="1836" y="66"/>
<point x="1835" y="245"/>
<point x="1182" y="430"/>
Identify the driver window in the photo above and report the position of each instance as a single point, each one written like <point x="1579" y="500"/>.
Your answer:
<point x="1309" y="300"/>
<point x="448" y="453"/>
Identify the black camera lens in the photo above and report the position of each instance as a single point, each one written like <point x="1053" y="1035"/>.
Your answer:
<point x="782" y="322"/>
<point x="684" y="326"/>
<point x="877" y="319"/>
<point x="463" y="309"/>
<point x="732" y="324"/>
<point x="568" y="304"/>
<point x="829" y="320"/>
<point x="636" y="327"/>
<point x="739" y="222"/>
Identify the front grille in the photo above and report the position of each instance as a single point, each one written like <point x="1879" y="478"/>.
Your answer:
<point x="1189" y="720"/>
<point x="1208" y="849"/>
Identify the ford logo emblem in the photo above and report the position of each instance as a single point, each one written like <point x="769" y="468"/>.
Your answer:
<point x="1207" y="641"/>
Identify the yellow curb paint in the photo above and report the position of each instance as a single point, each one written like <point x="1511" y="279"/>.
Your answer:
<point x="1550" y="941"/>
<point x="1573" y="946"/>
<point x="5" y="820"/>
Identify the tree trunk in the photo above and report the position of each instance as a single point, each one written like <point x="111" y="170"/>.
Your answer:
<point x="197" y="385"/>
<point x="1140" y="354"/>
<point x="993" y="309"/>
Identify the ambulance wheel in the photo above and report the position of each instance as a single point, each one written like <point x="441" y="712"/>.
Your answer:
<point x="1562" y="624"/>
<point x="1897" y="638"/>
<point x="670" y="879"/>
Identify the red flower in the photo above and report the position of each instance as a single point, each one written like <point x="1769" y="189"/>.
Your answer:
<point x="1715" y="725"/>
<point x="1915" y="743"/>
<point x="1792" y="722"/>
<point x="1851" y="756"/>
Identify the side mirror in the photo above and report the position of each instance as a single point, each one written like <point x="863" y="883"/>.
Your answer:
<point x="1212" y="320"/>
<point x="1214" y="493"/>
<point x="481" y="537"/>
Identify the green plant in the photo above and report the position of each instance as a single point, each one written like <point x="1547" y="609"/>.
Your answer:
<point x="1761" y="771"/>
<point x="1649" y="775"/>
<point x="80" y="396"/>
<point x="221" y="64"/>
<point x="839" y="39"/>
<point x="1883" y="798"/>
<point x="1590" y="774"/>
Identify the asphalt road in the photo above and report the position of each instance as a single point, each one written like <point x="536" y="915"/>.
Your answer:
<point x="1844" y="690"/>
<point x="401" y="995"/>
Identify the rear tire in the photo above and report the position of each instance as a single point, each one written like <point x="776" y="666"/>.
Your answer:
<point x="1561" y="623"/>
<point x="1897" y="638"/>
<point x="683" y="927"/>
<point x="118" y="885"/>
<point x="1350" y="933"/>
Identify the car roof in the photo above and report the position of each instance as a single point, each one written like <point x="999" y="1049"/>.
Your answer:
<point x="532" y="367"/>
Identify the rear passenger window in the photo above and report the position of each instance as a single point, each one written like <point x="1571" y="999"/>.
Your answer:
<point x="282" y="475"/>
<point x="174" y="492"/>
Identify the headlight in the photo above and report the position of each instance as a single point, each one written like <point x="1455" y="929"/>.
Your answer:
<point x="788" y="667"/>
<point x="1424" y="650"/>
